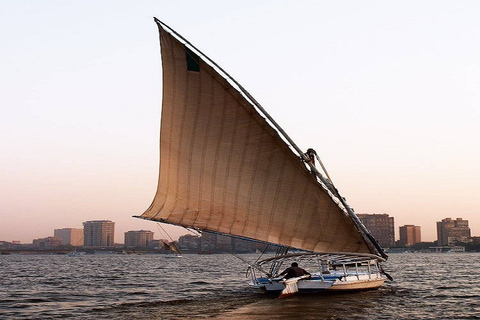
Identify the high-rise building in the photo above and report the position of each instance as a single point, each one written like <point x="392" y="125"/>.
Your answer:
<point x="140" y="238"/>
<point x="70" y="236"/>
<point x="382" y="227"/>
<point x="242" y="245"/>
<point x="189" y="242"/>
<point x="213" y="242"/>
<point x="450" y="231"/>
<point x="99" y="233"/>
<point x="410" y="234"/>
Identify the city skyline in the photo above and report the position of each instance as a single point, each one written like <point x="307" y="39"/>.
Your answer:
<point x="386" y="93"/>
<point x="367" y="220"/>
<point x="178" y="230"/>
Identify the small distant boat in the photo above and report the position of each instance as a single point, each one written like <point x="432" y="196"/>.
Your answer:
<point x="172" y="248"/>
<point x="227" y="167"/>
<point x="76" y="253"/>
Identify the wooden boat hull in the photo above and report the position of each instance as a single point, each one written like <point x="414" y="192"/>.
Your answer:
<point x="317" y="284"/>
<point x="357" y="285"/>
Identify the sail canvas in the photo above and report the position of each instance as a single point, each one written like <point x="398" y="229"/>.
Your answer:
<point x="223" y="168"/>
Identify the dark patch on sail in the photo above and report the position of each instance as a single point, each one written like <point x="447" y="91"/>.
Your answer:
<point x="193" y="63"/>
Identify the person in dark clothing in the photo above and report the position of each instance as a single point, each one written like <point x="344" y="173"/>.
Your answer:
<point x="293" y="271"/>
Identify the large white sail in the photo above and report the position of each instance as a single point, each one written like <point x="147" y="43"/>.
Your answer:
<point x="223" y="168"/>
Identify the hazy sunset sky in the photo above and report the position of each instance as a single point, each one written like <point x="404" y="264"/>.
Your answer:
<point x="387" y="92"/>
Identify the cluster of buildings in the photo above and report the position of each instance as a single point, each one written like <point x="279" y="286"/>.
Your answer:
<point x="100" y="234"/>
<point x="216" y="243"/>
<point x="95" y="234"/>
<point x="449" y="231"/>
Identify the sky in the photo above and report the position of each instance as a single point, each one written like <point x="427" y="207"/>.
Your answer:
<point x="386" y="92"/>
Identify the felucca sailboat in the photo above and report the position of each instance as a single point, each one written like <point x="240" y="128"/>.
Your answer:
<point x="227" y="167"/>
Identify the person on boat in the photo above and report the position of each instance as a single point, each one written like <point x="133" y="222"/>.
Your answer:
<point x="294" y="271"/>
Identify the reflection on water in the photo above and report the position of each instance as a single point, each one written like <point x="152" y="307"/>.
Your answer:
<point x="426" y="286"/>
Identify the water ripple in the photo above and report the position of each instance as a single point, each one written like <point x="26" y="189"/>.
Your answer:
<point x="426" y="286"/>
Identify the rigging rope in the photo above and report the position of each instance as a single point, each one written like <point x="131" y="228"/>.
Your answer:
<point x="264" y="250"/>
<point x="164" y="231"/>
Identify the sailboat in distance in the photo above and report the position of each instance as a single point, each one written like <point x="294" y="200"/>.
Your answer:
<point x="171" y="246"/>
<point x="227" y="167"/>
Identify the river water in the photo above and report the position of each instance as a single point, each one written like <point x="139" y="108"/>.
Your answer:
<point x="425" y="286"/>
